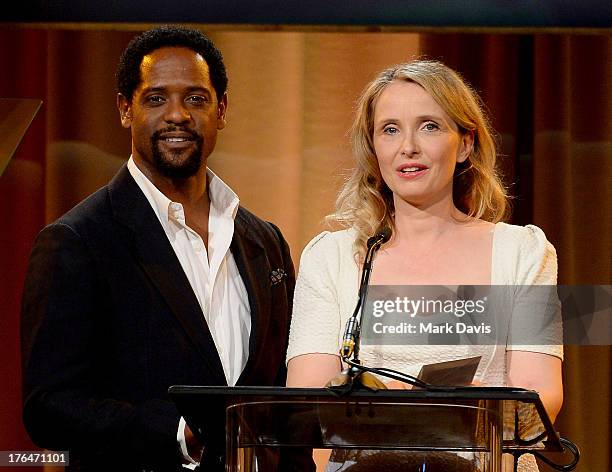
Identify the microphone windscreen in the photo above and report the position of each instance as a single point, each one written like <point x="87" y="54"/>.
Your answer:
<point x="379" y="238"/>
<point x="385" y="235"/>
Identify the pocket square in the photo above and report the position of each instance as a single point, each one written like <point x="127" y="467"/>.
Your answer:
<point x="277" y="276"/>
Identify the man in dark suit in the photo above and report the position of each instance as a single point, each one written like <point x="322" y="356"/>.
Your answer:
<point x="159" y="278"/>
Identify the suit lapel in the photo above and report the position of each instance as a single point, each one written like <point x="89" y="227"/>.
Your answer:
<point x="156" y="256"/>
<point x="254" y="269"/>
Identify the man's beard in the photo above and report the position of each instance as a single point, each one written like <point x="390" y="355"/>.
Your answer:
<point x="171" y="164"/>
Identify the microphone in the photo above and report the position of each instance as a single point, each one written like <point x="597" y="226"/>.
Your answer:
<point x="380" y="238"/>
<point x="350" y="341"/>
<point x="373" y="244"/>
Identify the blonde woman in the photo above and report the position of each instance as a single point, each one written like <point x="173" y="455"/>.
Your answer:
<point x="425" y="168"/>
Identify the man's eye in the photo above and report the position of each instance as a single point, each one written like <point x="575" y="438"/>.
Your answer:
<point x="155" y="99"/>
<point x="196" y="99"/>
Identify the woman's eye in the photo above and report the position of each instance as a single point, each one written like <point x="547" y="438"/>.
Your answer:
<point x="431" y="126"/>
<point x="390" y="130"/>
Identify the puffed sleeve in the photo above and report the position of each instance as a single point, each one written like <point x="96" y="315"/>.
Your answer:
<point x="536" y="324"/>
<point x="537" y="259"/>
<point x="315" y="323"/>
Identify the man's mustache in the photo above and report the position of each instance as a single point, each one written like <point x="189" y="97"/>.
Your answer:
<point x="158" y="135"/>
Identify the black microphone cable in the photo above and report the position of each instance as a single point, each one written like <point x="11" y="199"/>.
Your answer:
<point x="416" y="382"/>
<point x="567" y="445"/>
<point x="392" y="374"/>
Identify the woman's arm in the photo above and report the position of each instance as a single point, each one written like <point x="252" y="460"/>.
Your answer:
<point x="539" y="372"/>
<point x="537" y="266"/>
<point x="312" y="370"/>
<point x="313" y="351"/>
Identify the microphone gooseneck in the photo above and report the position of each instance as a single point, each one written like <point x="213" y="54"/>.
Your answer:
<point x="350" y="341"/>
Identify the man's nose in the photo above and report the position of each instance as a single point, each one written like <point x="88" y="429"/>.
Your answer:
<point x="177" y="112"/>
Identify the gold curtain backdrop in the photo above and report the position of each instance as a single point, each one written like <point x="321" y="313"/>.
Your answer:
<point x="285" y="150"/>
<point x="285" y="147"/>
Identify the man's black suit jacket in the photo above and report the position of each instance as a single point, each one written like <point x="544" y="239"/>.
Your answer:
<point x="109" y="322"/>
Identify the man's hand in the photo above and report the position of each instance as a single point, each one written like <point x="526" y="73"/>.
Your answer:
<point x="194" y="448"/>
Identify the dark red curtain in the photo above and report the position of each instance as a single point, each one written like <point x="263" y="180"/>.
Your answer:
<point x="23" y="55"/>
<point x="549" y="97"/>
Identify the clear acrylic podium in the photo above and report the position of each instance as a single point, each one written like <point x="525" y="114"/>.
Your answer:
<point x="275" y="429"/>
<point x="16" y="115"/>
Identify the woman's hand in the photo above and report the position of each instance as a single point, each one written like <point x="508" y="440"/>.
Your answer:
<point x="398" y="385"/>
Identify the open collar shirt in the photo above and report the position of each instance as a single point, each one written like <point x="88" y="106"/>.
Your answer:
<point x="212" y="273"/>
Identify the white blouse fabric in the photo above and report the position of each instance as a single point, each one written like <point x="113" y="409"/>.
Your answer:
<point x="326" y="294"/>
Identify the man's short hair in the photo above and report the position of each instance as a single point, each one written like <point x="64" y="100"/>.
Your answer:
<point x="128" y="71"/>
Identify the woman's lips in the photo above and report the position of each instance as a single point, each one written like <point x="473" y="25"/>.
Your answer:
<point x="411" y="171"/>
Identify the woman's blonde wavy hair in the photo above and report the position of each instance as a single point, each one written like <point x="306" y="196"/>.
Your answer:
<point x="365" y="203"/>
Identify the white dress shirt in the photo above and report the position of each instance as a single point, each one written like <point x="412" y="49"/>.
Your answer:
<point x="213" y="274"/>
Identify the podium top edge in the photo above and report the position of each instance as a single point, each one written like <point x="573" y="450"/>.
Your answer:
<point x="288" y="393"/>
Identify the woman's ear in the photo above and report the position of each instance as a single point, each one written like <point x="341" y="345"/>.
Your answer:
<point x="466" y="147"/>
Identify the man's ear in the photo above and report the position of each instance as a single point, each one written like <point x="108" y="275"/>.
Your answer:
<point x="466" y="147"/>
<point x="125" y="110"/>
<point x="221" y="110"/>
